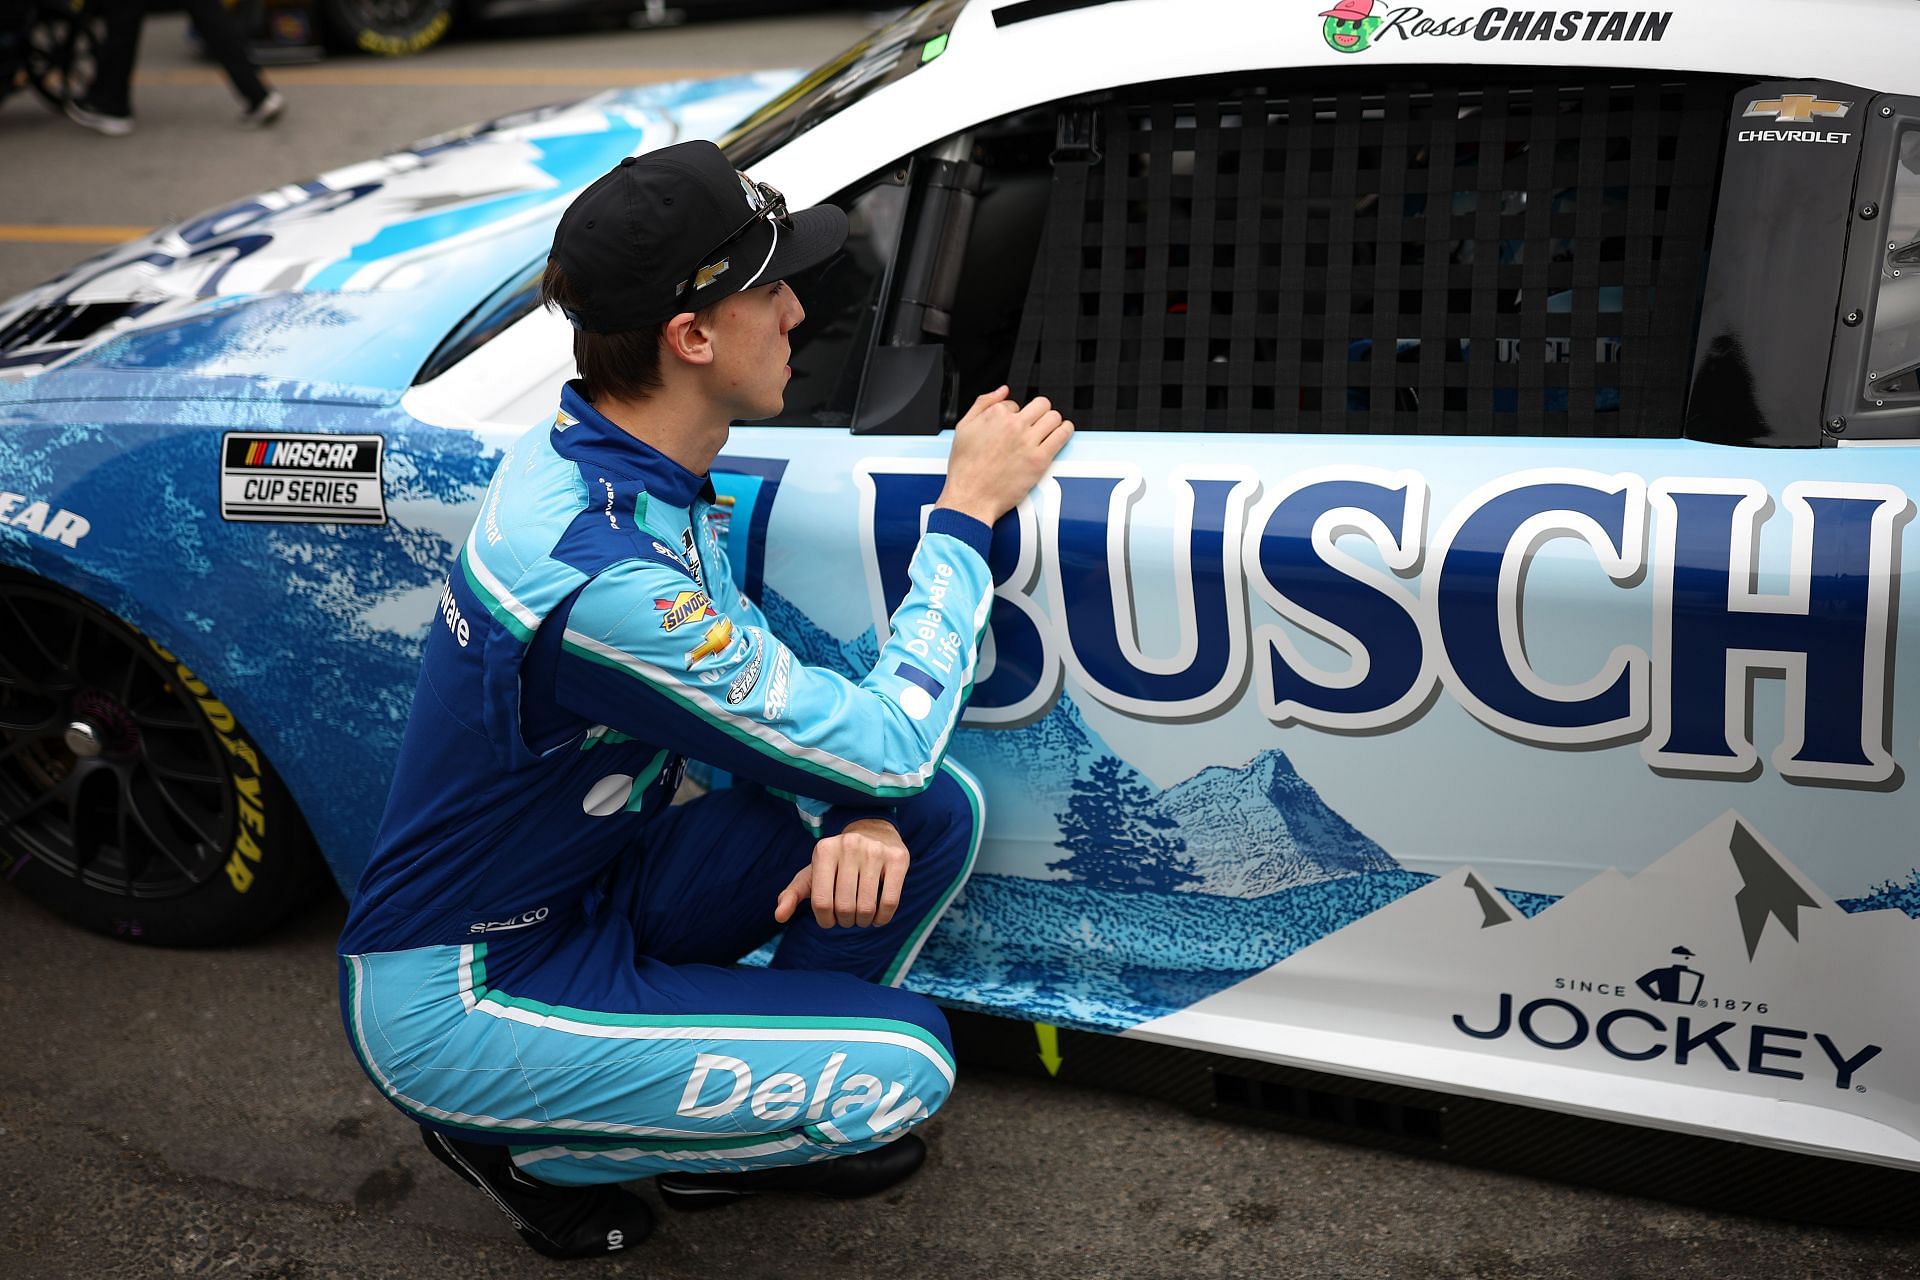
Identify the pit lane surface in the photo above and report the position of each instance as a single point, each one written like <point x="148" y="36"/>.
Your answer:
<point x="183" y="1113"/>
<point x="170" y="1113"/>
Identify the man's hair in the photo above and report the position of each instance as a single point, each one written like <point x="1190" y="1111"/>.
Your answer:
<point x="623" y="366"/>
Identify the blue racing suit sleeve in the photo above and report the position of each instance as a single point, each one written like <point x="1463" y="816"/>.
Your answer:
<point x="821" y="817"/>
<point x="648" y="653"/>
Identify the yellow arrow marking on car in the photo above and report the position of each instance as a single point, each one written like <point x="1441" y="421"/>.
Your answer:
<point x="1049" y="1046"/>
<point x="403" y="76"/>
<point x="50" y="233"/>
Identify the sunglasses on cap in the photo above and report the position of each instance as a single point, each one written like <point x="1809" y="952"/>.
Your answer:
<point x="768" y="206"/>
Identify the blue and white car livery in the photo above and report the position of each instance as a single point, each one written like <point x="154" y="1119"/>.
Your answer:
<point x="1462" y="645"/>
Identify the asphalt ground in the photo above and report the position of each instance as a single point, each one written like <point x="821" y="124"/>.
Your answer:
<point x="198" y="1113"/>
<point x="182" y="1113"/>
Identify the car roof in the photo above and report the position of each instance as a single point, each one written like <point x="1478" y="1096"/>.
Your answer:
<point x="1003" y="55"/>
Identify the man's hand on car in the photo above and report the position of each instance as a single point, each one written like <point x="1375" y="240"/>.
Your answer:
<point x="1000" y="451"/>
<point x="854" y="878"/>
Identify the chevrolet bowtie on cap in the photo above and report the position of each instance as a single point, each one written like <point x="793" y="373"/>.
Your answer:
<point x="639" y="246"/>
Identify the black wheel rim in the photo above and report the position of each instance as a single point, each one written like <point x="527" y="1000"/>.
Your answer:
<point x="61" y="53"/>
<point x="110" y="774"/>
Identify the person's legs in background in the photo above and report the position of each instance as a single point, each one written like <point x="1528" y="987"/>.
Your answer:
<point x="226" y="43"/>
<point x="107" y="105"/>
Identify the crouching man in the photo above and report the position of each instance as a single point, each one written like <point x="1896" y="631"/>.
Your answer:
<point x="537" y="965"/>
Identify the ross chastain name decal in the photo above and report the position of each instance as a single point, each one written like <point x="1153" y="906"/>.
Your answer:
<point x="1448" y="612"/>
<point x="1353" y="26"/>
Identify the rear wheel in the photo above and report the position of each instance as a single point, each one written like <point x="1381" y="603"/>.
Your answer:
<point x="131" y="800"/>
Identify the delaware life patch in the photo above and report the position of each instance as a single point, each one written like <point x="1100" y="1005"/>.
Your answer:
<point x="301" y="479"/>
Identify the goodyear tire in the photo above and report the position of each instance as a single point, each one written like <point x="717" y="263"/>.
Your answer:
<point x="131" y="800"/>
<point x="388" y="28"/>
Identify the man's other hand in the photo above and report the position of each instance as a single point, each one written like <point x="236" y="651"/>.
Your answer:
<point x="1000" y="451"/>
<point x="854" y="878"/>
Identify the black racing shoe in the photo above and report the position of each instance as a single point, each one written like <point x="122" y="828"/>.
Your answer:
<point x="844" y="1178"/>
<point x="561" y="1222"/>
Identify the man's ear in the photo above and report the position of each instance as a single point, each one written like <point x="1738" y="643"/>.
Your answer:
<point x="687" y="338"/>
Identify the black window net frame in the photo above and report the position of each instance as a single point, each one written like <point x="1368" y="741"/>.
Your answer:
<point x="1236" y="254"/>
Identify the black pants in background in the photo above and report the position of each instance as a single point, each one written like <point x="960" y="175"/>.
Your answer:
<point x="219" y="31"/>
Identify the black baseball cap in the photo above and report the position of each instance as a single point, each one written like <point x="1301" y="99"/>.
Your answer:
<point x="679" y="229"/>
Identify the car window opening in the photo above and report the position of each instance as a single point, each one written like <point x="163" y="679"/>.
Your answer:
<point x="1239" y="258"/>
<point x="1893" y="362"/>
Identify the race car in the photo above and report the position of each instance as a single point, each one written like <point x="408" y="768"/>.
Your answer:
<point x="302" y="30"/>
<point x="1515" y="726"/>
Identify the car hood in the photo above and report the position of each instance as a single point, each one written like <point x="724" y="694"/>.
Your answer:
<point x="339" y="288"/>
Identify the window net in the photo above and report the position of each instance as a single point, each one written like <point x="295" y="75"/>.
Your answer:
<point x="1440" y="258"/>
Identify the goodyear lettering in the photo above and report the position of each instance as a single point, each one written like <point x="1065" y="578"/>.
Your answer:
<point x="1560" y="1025"/>
<point x="239" y="748"/>
<point x="1343" y="555"/>
<point x="217" y="714"/>
<point x="392" y="46"/>
<point x="56" y="524"/>
<point x="249" y="803"/>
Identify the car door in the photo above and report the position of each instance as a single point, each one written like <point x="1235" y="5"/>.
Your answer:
<point x="1296" y="629"/>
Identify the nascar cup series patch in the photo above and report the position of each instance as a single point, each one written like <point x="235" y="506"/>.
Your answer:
<point x="301" y="479"/>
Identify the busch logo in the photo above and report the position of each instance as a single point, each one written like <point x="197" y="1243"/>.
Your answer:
<point x="1450" y="613"/>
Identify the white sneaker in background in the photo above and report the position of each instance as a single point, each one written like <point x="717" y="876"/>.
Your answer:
<point x="113" y="126"/>
<point x="264" y="112"/>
